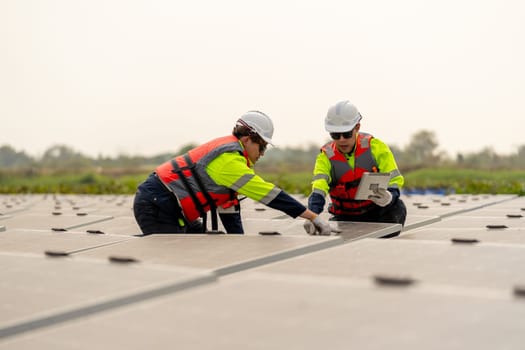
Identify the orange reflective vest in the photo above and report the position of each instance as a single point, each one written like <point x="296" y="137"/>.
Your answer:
<point x="187" y="178"/>
<point x="345" y="180"/>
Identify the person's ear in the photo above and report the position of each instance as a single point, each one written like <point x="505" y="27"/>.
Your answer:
<point x="244" y="139"/>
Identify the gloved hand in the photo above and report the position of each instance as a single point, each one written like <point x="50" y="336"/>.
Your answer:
<point x="381" y="197"/>
<point x="309" y="227"/>
<point x="318" y="226"/>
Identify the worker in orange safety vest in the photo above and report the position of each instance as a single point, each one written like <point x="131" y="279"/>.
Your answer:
<point x="179" y="194"/>
<point x="340" y="165"/>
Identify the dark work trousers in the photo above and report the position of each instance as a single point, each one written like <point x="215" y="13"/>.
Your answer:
<point x="157" y="211"/>
<point x="395" y="213"/>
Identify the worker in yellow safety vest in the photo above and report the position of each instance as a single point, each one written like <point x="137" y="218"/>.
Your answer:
<point x="179" y="194"/>
<point x="340" y="165"/>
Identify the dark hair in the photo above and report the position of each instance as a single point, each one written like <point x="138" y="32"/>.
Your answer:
<point x="240" y="131"/>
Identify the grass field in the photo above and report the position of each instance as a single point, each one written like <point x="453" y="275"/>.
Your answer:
<point x="447" y="180"/>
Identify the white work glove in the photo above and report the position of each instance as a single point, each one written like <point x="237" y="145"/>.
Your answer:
<point x="318" y="226"/>
<point x="381" y="197"/>
<point x="309" y="227"/>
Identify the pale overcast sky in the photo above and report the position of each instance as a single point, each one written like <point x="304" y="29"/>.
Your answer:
<point x="143" y="77"/>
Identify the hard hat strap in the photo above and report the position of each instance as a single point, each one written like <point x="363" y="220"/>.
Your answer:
<point x="243" y="123"/>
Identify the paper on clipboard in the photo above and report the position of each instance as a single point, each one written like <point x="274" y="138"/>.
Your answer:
<point x="370" y="182"/>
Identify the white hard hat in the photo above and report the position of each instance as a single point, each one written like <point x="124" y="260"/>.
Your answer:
<point x="260" y="123"/>
<point x="341" y="117"/>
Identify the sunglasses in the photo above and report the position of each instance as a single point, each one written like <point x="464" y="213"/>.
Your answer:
<point x="262" y="146"/>
<point x="256" y="138"/>
<point x="337" y="135"/>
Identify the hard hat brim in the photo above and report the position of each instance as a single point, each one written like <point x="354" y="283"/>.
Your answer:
<point x="268" y="140"/>
<point x="343" y="128"/>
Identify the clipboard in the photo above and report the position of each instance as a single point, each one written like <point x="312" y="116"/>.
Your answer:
<point x="370" y="182"/>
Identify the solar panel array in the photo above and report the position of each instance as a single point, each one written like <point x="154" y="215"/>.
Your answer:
<point x="76" y="273"/>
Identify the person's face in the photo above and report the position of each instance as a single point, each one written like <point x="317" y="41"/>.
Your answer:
<point x="345" y="141"/>
<point x="255" y="149"/>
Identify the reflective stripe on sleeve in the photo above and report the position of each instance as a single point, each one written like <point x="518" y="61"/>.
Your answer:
<point x="243" y="180"/>
<point x="394" y="173"/>
<point x="321" y="177"/>
<point x="270" y="196"/>
<point x="318" y="191"/>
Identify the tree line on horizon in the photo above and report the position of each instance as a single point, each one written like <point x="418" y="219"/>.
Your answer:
<point x="421" y="152"/>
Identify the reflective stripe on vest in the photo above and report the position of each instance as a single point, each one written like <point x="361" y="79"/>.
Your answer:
<point x="195" y="203"/>
<point x="345" y="179"/>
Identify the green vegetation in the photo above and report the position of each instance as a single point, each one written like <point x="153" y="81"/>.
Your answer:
<point x="446" y="180"/>
<point x="468" y="180"/>
<point x="62" y="170"/>
<point x="88" y="183"/>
